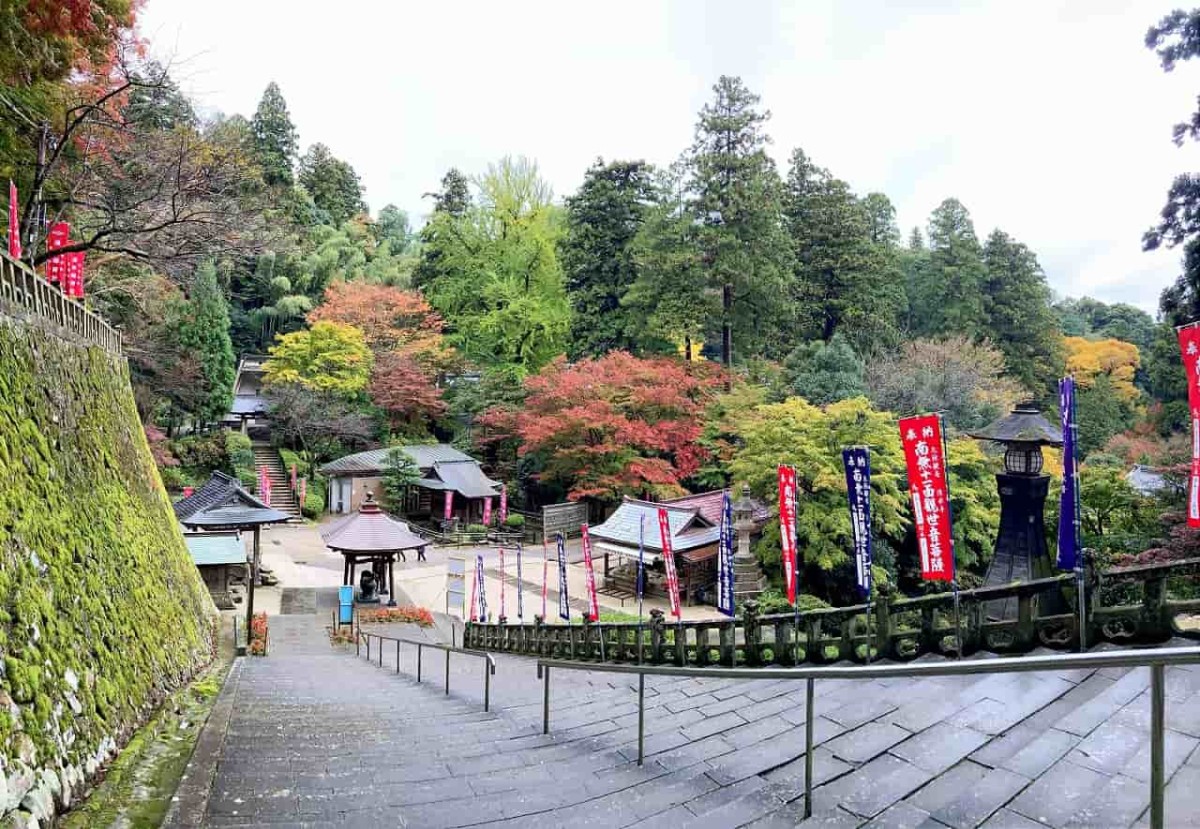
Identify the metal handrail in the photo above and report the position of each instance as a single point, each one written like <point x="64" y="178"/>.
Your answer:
<point x="489" y="665"/>
<point x="1157" y="659"/>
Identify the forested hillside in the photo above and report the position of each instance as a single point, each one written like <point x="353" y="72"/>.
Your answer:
<point x="663" y="328"/>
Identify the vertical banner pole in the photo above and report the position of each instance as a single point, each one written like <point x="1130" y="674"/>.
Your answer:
<point x="641" y="580"/>
<point x="857" y="463"/>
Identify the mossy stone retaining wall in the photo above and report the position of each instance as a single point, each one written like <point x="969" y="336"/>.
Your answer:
<point x="102" y="612"/>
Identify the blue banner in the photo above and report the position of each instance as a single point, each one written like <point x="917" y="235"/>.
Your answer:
<point x="641" y="567"/>
<point x="520" y="587"/>
<point x="564" y="603"/>
<point x="481" y="606"/>
<point x="857" y="460"/>
<point x="725" y="558"/>
<point x="1068" y="505"/>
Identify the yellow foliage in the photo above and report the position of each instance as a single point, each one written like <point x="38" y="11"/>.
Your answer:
<point x="1087" y="359"/>
<point x="682" y="347"/>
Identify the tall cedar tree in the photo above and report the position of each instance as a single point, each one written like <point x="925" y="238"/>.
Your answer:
<point x="332" y="183"/>
<point x="611" y="426"/>
<point x="736" y="202"/>
<point x="203" y="330"/>
<point x="598" y="254"/>
<point x="450" y="203"/>
<point x="275" y="138"/>
<point x="1020" y="321"/>
<point x="951" y="295"/>
<point x="845" y="281"/>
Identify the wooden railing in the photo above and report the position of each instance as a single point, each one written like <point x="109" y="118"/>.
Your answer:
<point x="895" y="628"/>
<point x="23" y="291"/>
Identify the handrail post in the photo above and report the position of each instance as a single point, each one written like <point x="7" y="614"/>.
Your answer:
<point x="418" y="663"/>
<point x="487" y="685"/>
<point x="368" y="647"/>
<point x="546" y="700"/>
<point x="641" y="717"/>
<point x="1157" y="722"/>
<point x="358" y="643"/>
<point x="447" y="673"/>
<point x="397" y="656"/>
<point x="808" y="746"/>
<point x="381" y="651"/>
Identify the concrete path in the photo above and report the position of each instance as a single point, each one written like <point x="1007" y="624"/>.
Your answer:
<point x="313" y="736"/>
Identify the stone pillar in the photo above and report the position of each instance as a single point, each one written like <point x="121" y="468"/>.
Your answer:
<point x="748" y="578"/>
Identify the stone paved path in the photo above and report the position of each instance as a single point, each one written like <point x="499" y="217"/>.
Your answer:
<point x="317" y="737"/>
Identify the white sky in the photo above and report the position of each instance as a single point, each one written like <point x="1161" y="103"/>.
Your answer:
<point x="1047" y="118"/>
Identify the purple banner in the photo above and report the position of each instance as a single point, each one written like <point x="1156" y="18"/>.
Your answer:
<point x="1068" y="506"/>
<point x="857" y="460"/>
<point x="725" y="559"/>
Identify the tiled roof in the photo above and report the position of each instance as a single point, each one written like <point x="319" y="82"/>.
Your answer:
<point x="467" y="478"/>
<point x="215" y="548"/>
<point x="689" y="529"/>
<point x="249" y="404"/>
<point x="222" y="502"/>
<point x="709" y="505"/>
<point x="370" y="530"/>
<point x="373" y="461"/>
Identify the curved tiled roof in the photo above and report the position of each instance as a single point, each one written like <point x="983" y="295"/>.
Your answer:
<point x="373" y="461"/>
<point x="370" y="530"/>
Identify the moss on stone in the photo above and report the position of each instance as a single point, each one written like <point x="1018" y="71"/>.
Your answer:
<point x="102" y="613"/>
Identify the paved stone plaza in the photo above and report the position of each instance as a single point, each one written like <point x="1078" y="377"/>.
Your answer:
<point x="313" y="736"/>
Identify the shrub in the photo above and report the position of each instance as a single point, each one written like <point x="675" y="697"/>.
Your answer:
<point x="258" y="634"/>
<point x="174" y="478"/>
<point x="476" y="529"/>
<point x="407" y="613"/>
<point x="204" y="452"/>
<point x="239" y="453"/>
<point x="772" y="601"/>
<point x="516" y="522"/>
<point x="314" y="498"/>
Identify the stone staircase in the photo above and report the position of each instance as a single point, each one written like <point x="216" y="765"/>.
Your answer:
<point x="282" y="497"/>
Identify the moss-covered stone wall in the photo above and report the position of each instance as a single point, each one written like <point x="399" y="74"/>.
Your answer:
<point x="102" y="612"/>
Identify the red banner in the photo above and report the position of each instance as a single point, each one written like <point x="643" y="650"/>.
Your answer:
<point x="503" y="503"/>
<point x="14" y="223"/>
<point x="590" y="573"/>
<point x="664" y="530"/>
<point x="448" y="510"/>
<point x="487" y="512"/>
<point x="930" y="494"/>
<point x="787" y="527"/>
<point x="1189" y="349"/>
<point x="59" y="236"/>
<point x="293" y="477"/>
<point x="73" y="277"/>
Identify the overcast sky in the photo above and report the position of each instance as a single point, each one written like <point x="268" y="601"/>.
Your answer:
<point x="1047" y="119"/>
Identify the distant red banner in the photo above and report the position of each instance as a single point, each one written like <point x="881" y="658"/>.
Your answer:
<point x="503" y="503"/>
<point x="59" y="237"/>
<point x="14" y="223"/>
<point x="927" y="487"/>
<point x="1189" y="349"/>
<point x="590" y="573"/>
<point x="73" y="274"/>
<point x="487" y="512"/>
<point x="664" y="529"/>
<point x="448" y="510"/>
<point x="787" y="528"/>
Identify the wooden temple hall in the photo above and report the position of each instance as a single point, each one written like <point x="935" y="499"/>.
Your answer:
<point x="372" y="537"/>
<point x="695" y="522"/>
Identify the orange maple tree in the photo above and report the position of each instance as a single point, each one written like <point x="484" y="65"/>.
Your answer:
<point x="611" y="426"/>
<point x="391" y="319"/>
<point x="403" y="389"/>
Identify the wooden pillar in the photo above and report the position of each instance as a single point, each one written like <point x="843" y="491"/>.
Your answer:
<point x="253" y="578"/>
<point x="392" y="582"/>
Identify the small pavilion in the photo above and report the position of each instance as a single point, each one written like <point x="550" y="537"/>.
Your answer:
<point x="372" y="536"/>
<point x="222" y="504"/>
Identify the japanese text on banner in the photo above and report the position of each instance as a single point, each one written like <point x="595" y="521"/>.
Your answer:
<point x="787" y="528"/>
<point x="564" y="605"/>
<point x="922" y="440"/>
<point x="857" y="461"/>
<point x="590" y="573"/>
<point x="664" y="530"/>
<point x="1189" y="348"/>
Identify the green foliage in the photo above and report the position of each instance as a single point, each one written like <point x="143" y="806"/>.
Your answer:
<point x="95" y="579"/>
<point x="515" y="521"/>
<point x="773" y="601"/>
<point x="945" y="285"/>
<point x="240" y="456"/>
<point x="329" y="357"/>
<point x="1102" y="413"/>
<point x="1091" y="318"/>
<point x="497" y="272"/>
<point x="202" y="453"/>
<point x="275" y="139"/>
<point x="202" y="328"/>
<point x="825" y="372"/>
<point x="399" y="473"/>
<point x="598" y="254"/>
<point x="332" y="183"/>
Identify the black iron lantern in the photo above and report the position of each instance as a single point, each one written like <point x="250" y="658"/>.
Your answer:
<point x="1023" y="459"/>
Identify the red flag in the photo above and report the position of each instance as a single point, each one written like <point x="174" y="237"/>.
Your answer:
<point x="590" y="573"/>
<point x="787" y="527"/>
<point x="14" y="223"/>
<point x="293" y="477"/>
<point x="73" y="282"/>
<point x="448" y="510"/>
<point x="59" y="236"/>
<point x="487" y="512"/>
<point x="930" y="494"/>
<point x="1189" y="348"/>
<point x="187" y="491"/>
<point x="664" y="530"/>
<point x="503" y="503"/>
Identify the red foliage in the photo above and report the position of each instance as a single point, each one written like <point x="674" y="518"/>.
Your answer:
<point x="391" y="319"/>
<point x="404" y="390"/>
<point x="160" y="449"/>
<point x="612" y="426"/>
<point x="1181" y="542"/>
<point x="406" y="613"/>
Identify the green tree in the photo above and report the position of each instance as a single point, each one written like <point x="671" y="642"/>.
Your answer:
<point x="881" y="220"/>
<point x="451" y="204"/>
<point x="275" y="138"/>
<point x="598" y="254"/>
<point x="1020" y="321"/>
<point x="736" y="203"/>
<point x="1101" y="413"/>
<point x="394" y="228"/>
<point x="954" y="275"/>
<point x="1166" y="380"/>
<point x="845" y="281"/>
<point x="202" y="328"/>
<point x="329" y="357"/>
<point x="332" y="183"/>
<point x="825" y="372"/>
<point x="1087" y="317"/>
<point x="399" y="473"/>
<point x="498" y="280"/>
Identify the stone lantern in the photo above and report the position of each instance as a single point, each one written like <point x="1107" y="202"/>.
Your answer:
<point x="748" y="578"/>
<point x="1021" y="551"/>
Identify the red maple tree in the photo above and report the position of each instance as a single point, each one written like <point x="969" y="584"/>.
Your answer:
<point x="391" y="319"/>
<point x="611" y="426"/>
<point x="403" y="389"/>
